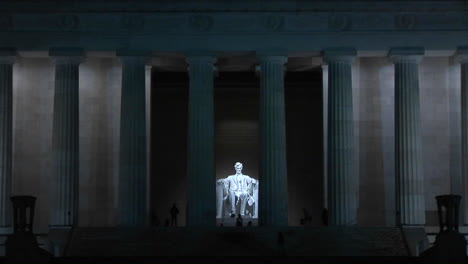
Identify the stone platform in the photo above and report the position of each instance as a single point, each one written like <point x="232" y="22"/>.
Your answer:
<point x="231" y="221"/>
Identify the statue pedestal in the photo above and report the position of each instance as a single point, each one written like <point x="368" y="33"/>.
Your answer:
<point x="231" y="222"/>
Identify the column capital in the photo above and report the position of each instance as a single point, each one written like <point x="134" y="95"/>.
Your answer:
<point x="7" y="55"/>
<point x="279" y="57"/>
<point x="339" y="54"/>
<point x="461" y="55"/>
<point x="67" y="55"/>
<point x="200" y="57"/>
<point x="406" y="54"/>
<point x="269" y="57"/>
<point x="203" y="58"/>
<point x="133" y="56"/>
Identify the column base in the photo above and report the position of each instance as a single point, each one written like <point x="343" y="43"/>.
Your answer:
<point x="58" y="239"/>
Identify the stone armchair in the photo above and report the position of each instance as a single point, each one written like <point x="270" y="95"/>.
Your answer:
<point x="223" y="208"/>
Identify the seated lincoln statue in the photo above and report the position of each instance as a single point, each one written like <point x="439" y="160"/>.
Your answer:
<point x="237" y="194"/>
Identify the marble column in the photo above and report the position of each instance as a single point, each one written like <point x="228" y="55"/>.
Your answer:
<point x="340" y="141"/>
<point x="273" y="204"/>
<point x="408" y="156"/>
<point x="462" y="58"/>
<point x="201" y="203"/>
<point x="132" y="166"/>
<point x="7" y="58"/>
<point x="65" y="137"/>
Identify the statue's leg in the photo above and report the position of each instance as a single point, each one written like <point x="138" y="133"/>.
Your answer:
<point x="243" y="198"/>
<point x="232" y="198"/>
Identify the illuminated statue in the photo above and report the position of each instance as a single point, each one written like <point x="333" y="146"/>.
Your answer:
<point x="235" y="189"/>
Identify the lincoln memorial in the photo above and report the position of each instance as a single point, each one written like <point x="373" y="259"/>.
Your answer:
<point x="342" y="113"/>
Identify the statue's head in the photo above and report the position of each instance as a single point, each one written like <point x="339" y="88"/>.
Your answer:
<point x="238" y="167"/>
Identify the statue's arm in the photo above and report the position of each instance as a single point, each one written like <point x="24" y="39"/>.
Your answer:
<point x="226" y="188"/>
<point x="250" y="184"/>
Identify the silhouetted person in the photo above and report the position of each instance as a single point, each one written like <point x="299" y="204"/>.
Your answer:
<point x="281" y="243"/>
<point x="307" y="217"/>
<point x="325" y="217"/>
<point x="239" y="220"/>
<point x="280" y="239"/>
<point x="174" y="212"/>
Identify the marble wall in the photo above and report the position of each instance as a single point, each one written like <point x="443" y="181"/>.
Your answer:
<point x="376" y="137"/>
<point x="100" y="87"/>
<point x="33" y="91"/>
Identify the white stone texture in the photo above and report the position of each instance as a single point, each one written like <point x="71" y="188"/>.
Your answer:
<point x="374" y="74"/>
<point x="376" y="141"/>
<point x="459" y="126"/>
<point x="201" y="196"/>
<point x="65" y="143"/>
<point x="33" y="101"/>
<point x="454" y="104"/>
<point x="408" y="155"/>
<point x="273" y="206"/>
<point x="133" y="168"/>
<point x="435" y="131"/>
<point x="340" y="142"/>
<point x="6" y="137"/>
<point x="100" y="86"/>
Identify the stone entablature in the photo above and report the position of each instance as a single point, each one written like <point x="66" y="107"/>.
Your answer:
<point x="296" y="26"/>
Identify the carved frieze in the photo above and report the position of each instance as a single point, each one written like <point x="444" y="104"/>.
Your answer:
<point x="339" y="22"/>
<point x="132" y="22"/>
<point x="273" y="22"/>
<point x="201" y="22"/>
<point x="68" y="22"/>
<point x="405" y="21"/>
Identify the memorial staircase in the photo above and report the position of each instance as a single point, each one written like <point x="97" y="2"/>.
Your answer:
<point x="236" y="241"/>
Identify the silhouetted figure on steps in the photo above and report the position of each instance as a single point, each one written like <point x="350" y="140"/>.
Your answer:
<point x="239" y="220"/>
<point x="325" y="217"/>
<point x="174" y="212"/>
<point x="307" y="220"/>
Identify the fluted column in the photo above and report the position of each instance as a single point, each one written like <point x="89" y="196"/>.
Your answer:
<point x="65" y="137"/>
<point x="341" y="168"/>
<point x="273" y="207"/>
<point x="462" y="58"/>
<point x="7" y="58"/>
<point x="201" y="203"/>
<point x="408" y="159"/>
<point x="132" y="167"/>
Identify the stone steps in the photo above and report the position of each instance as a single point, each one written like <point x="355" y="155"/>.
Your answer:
<point x="245" y="241"/>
